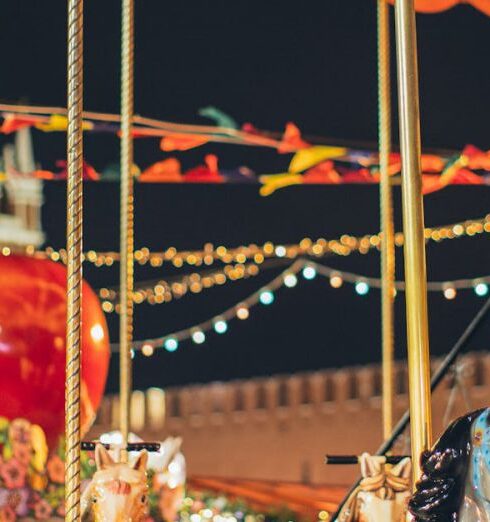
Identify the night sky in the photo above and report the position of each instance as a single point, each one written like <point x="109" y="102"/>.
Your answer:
<point x="313" y="63"/>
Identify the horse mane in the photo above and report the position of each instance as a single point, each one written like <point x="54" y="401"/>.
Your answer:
<point x="440" y="491"/>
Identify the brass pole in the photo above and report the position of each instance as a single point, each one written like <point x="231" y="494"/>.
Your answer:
<point x="74" y="221"/>
<point x="126" y="218"/>
<point x="413" y="226"/>
<point x="386" y="215"/>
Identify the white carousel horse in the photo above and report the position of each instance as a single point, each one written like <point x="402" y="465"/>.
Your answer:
<point x="168" y="465"/>
<point x="118" y="492"/>
<point x="382" y="494"/>
<point x="455" y="485"/>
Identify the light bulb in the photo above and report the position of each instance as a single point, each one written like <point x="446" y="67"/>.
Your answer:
<point x="198" y="337"/>
<point x="336" y="281"/>
<point x="450" y="292"/>
<point x="147" y="349"/>
<point x="220" y="326"/>
<point x="362" y="288"/>
<point x="280" y="251"/>
<point x="290" y="280"/>
<point x="309" y="273"/>
<point x="481" y="289"/>
<point x="266" y="297"/>
<point x="242" y="313"/>
<point x="171" y="344"/>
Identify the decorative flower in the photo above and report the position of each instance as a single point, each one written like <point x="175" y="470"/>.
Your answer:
<point x="20" y="432"/>
<point x="16" y="499"/>
<point x="22" y="453"/>
<point x="13" y="473"/>
<point x="42" y="510"/>
<point x="56" y="469"/>
<point x="7" y="514"/>
<point x="478" y="437"/>
<point x="38" y="481"/>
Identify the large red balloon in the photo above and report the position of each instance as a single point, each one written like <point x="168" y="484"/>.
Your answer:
<point x="32" y="345"/>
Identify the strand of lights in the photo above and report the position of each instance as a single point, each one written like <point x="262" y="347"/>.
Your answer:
<point x="164" y="291"/>
<point x="343" y="246"/>
<point x="289" y="279"/>
<point x="219" y="323"/>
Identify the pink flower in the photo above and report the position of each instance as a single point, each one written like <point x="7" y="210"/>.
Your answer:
<point x="13" y="473"/>
<point x="42" y="510"/>
<point x="22" y="453"/>
<point x="16" y="499"/>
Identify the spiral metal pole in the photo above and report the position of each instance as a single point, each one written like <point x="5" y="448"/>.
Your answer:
<point x="127" y="217"/>
<point x="74" y="259"/>
<point x="386" y="214"/>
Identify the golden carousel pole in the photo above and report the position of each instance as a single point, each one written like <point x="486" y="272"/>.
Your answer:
<point x="74" y="221"/>
<point x="126" y="218"/>
<point x="386" y="213"/>
<point x="413" y="227"/>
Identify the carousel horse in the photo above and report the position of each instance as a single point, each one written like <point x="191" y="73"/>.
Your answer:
<point x="455" y="484"/>
<point x="118" y="491"/>
<point x="382" y="494"/>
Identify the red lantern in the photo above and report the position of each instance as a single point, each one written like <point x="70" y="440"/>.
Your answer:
<point x="32" y="345"/>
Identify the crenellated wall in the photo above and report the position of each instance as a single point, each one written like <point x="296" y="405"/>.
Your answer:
<point x="281" y="427"/>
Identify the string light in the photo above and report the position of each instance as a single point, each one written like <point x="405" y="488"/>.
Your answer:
<point x="309" y="272"/>
<point x="242" y="312"/>
<point x="290" y="280"/>
<point x="362" y="288"/>
<point x="171" y="344"/>
<point x="147" y="350"/>
<point x="449" y="292"/>
<point x="343" y="246"/>
<point x="198" y="336"/>
<point x="481" y="289"/>
<point x="266" y="297"/>
<point x="336" y="280"/>
<point x="220" y="326"/>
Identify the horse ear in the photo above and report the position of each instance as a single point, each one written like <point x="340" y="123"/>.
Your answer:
<point x="141" y="461"/>
<point x="403" y="469"/>
<point x="102" y="458"/>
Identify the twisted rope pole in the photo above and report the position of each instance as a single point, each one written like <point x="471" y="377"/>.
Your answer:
<point x="127" y="217"/>
<point x="74" y="259"/>
<point x="386" y="216"/>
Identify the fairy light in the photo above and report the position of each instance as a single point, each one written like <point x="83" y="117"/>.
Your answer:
<point x="449" y="292"/>
<point x="362" y="288"/>
<point x="198" y="336"/>
<point x="336" y="280"/>
<point x="171" y="344"/>
<point x="220" y="326"/>
<point x="343" y="246"/>
<point x="266" y="297"/>
<point x="242" y="312"/>
<point x="481" y="289"/>
<point x="290" y="280"/>
<point x="147" y="350"/>
<point x="309" y="272"/>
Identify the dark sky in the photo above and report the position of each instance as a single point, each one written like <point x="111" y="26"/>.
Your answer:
<point x="312" y="63"/>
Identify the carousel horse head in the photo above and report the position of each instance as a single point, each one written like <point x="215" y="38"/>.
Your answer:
<point x="118" y="491"/>
<point x="382" y="494"/>
<point x="455" y="483"/>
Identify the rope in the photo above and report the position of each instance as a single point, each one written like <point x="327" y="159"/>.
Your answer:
<point x="127" y="215"/>
<point x="386" y="213"/>
<point x="74" y="256"/>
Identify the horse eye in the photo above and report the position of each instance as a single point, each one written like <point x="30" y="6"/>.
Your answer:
<point x="94" y="500"/>
<point x="143" y="498"/>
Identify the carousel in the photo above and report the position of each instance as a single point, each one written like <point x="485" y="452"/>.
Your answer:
<point x="50" y="471"/>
